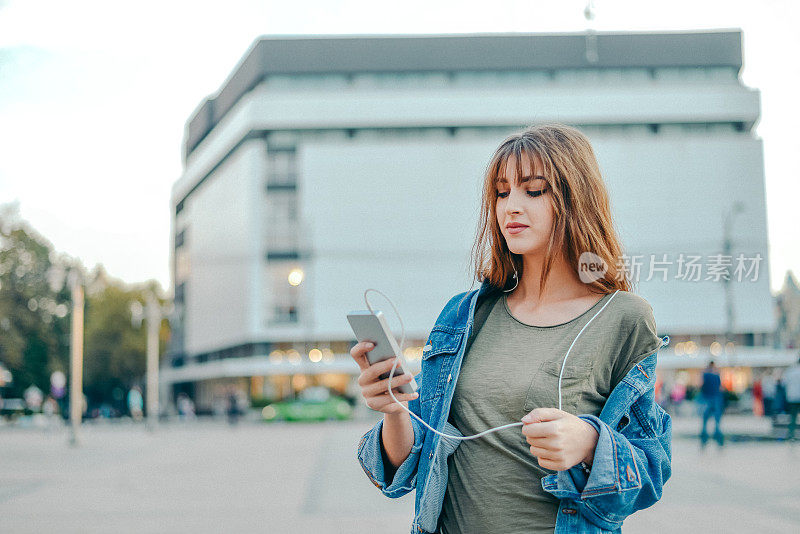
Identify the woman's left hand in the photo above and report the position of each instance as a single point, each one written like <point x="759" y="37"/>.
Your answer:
<point x="558" y="439"/>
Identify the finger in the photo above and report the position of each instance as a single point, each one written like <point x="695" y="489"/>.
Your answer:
<point x="382" y="386"/>
<point x="543" y="414"/>
<point x="541" y="452"/>
<point x="538" y="430"/>
<point x="359" y="354"/>
<point x="377" y="369"/>
<point x="553" y="465"/>
<point x="404" y="397"/>
<point x="551" y="444"/>
<point x="543" y="455"/>
<point x="379" y="402"/>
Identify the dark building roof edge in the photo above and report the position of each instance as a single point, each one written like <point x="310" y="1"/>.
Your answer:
<point x="353" y="53"/>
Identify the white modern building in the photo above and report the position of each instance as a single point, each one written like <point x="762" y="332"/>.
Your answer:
<point x="328" y="165"/>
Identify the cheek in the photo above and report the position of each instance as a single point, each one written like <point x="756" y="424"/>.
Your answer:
<point x="544" y="214"/>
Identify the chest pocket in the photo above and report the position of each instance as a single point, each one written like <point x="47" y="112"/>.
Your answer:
<point x="438" y="356"/>
<point x="543" y="391"/>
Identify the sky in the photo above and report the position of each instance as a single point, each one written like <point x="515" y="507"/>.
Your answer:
<point x="95" y="95"/>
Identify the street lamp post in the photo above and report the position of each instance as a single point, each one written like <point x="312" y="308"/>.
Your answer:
<point x="76" y="359"/>
<point x="152" y="314"/>
<point x="153" y="326"/>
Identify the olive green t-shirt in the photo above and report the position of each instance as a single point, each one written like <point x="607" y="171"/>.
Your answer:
<point x="510" y="368"/>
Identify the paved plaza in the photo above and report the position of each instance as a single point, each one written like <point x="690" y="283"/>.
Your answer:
<point x="209" y="477"/>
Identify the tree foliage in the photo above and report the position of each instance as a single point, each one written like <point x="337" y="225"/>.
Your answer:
<point x="114" y="348"/>
<point x="35" y="315"/>
<point x="34" y="328"/>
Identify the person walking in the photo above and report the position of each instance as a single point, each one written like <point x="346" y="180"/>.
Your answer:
<point x="769" y="388"/>
<point x="233" y="407"/>
<point x="791" y="381"/>
<point x="677" y="396"/>
<point x="780" y="396"/>
<point x="136" y="403"/>
<point x="557" y="357"/>
<point x="711" y="395"/>
<point x="758" y="398"/>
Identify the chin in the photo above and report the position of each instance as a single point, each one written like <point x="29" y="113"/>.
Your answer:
<point x="523" y="250"/>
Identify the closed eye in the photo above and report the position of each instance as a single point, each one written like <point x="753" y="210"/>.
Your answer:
<point x="533" y="194"/>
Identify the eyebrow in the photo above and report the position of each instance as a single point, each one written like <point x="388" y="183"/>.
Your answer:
<point x="522" y="180"/>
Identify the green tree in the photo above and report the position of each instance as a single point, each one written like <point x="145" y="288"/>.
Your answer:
<point x="33" y="310"/>
<point x="35" y="317"/>
<point x="114" y="348"/>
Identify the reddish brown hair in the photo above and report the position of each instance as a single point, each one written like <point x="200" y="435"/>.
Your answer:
<point x="582" y="212"/>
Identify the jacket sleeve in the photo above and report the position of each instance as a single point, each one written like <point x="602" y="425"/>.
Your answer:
<point x="631" y="462"/>
<point x="372" y="457"/>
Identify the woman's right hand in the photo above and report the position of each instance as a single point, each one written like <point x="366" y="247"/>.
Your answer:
<point x="376" y="391"/>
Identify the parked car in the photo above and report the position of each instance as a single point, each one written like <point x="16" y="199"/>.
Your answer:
<point x="312" y="404"/>
<point x="13" y="408"/>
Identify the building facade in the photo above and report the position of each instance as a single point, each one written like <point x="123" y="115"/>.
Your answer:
<point x="328" y="165"/>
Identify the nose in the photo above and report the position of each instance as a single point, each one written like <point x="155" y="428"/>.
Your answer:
<point x="513" y="204"/>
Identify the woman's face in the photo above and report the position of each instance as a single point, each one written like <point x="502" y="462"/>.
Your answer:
<point x="524" y="213"/>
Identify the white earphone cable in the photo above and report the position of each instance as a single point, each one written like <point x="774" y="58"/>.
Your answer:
<point x="475" y="436"/>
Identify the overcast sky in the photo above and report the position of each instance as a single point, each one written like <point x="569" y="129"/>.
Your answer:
<point x="94" y="96"/>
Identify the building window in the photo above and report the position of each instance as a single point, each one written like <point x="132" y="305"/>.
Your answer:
<point x="182" y="265"/>
<point x="180" y="294"/>
<point x="282" y="221"/>
<point x="281" y="206"/>
<point x="282" y="167"/>
<point x="279" y="255"/>
<point x="286" y="282"/>
<point x="181" y="257"/>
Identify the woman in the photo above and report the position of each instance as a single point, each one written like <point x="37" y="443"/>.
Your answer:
<point x="594" y="446"/>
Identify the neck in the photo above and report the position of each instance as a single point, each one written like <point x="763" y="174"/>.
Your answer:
<point x="562" y="282"/>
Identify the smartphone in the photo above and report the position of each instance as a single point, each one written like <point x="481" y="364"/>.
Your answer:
<point x="372" y="327"/>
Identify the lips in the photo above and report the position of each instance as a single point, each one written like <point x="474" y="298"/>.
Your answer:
<point x="515" y="228"/>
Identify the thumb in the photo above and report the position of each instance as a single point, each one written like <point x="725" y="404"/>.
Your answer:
<point x="542" y="414"/>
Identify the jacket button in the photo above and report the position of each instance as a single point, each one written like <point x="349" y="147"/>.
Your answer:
<point x="430" y="455"/>
<point x="449" y="377"/>
<point x="630" y="473"/>
<point x="622" y="422"/>
<point x="569" y="511"/>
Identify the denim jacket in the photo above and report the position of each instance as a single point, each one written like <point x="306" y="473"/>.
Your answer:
<point x="632" y="459"/>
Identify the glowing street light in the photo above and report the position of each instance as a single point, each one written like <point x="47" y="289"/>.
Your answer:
<point x="295" y="277"/>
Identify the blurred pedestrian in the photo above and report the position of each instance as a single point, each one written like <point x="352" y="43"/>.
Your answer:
<point x="791" y="381"/>
<point x="185" y="407"/>
<point x="136" y="403"/>
<point x="768" y="389"/>
<point x="233" y="407"/>
<point x="780" y="396"/>
<point x="33" y="398"/>
<point x="758" y="398"/>
<point x="676" y="396"/>
<point x="50" y="410"/>
<point x="711" y="395"/>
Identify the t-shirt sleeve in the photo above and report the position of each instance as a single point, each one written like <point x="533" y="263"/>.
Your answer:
<point x="640" y="342"/>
